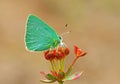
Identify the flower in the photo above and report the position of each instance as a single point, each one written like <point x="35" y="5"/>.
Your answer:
<point x="79" y="52"/>
<point x="56" y="58"/>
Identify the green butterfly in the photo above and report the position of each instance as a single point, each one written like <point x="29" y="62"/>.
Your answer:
<point x="39" y="36"/>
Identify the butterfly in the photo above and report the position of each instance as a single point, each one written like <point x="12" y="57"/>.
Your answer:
<point x="40" y="36"/>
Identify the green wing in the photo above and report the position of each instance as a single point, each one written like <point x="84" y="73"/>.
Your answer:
<point x="39" y="36"/>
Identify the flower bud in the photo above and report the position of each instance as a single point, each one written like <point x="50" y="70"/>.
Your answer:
<point x="66" y="51"/>
<point x="49" y="55"/>
<point x="46" y="52"/>
<point x="59" y="55"/>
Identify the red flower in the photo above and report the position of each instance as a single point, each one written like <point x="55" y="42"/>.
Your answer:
<point x="79" y="52"/>
<point x="56" y="57"/>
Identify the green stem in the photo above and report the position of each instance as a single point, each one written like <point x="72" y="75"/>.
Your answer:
<point x="75" y="59"/>
<point x="62" y="64"/>
<point x="71" y="66"/>
<point x="59" y="65"/>
<point x="60" y="82"/>
<point x="69" y="70"/>
<point x="53" y="65"/>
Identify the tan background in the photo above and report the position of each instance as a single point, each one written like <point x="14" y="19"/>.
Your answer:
<point x="95" y="26"/>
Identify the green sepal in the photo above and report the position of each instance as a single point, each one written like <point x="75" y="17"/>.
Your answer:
<point x="50" y="77"/>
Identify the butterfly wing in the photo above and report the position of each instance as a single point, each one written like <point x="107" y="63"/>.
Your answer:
<point x="39" y="36"/>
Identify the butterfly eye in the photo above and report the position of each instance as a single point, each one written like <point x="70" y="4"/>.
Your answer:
<point x="60" y="37"/>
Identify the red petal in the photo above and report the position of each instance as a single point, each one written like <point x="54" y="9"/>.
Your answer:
<point x="84" y="53"/>
<point x="75" y="49"/>
<point x="79" y="52"/>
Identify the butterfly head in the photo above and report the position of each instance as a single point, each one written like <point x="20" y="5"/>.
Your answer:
<point x="60" y="38"/>
<point x="61" y="41"/>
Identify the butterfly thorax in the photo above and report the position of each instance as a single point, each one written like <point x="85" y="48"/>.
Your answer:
<point x="56" y="42"/>
<point x="61" y="41"/>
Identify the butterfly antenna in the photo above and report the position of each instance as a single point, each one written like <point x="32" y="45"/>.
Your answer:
<point x="65" y="33"/>
<point x="66" y="25"/>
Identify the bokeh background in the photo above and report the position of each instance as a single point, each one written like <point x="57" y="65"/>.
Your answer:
<point x="94" y="26"/>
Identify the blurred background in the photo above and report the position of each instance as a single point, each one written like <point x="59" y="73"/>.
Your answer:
<point x="94" y="26"/>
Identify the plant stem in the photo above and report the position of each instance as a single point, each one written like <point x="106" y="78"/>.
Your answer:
<point x="59" y="65"/>
<point x="60" y="82"/>
<point x="74" y="61"/>
<point x="62" y="64"/>
<point x="53" y="65"/>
